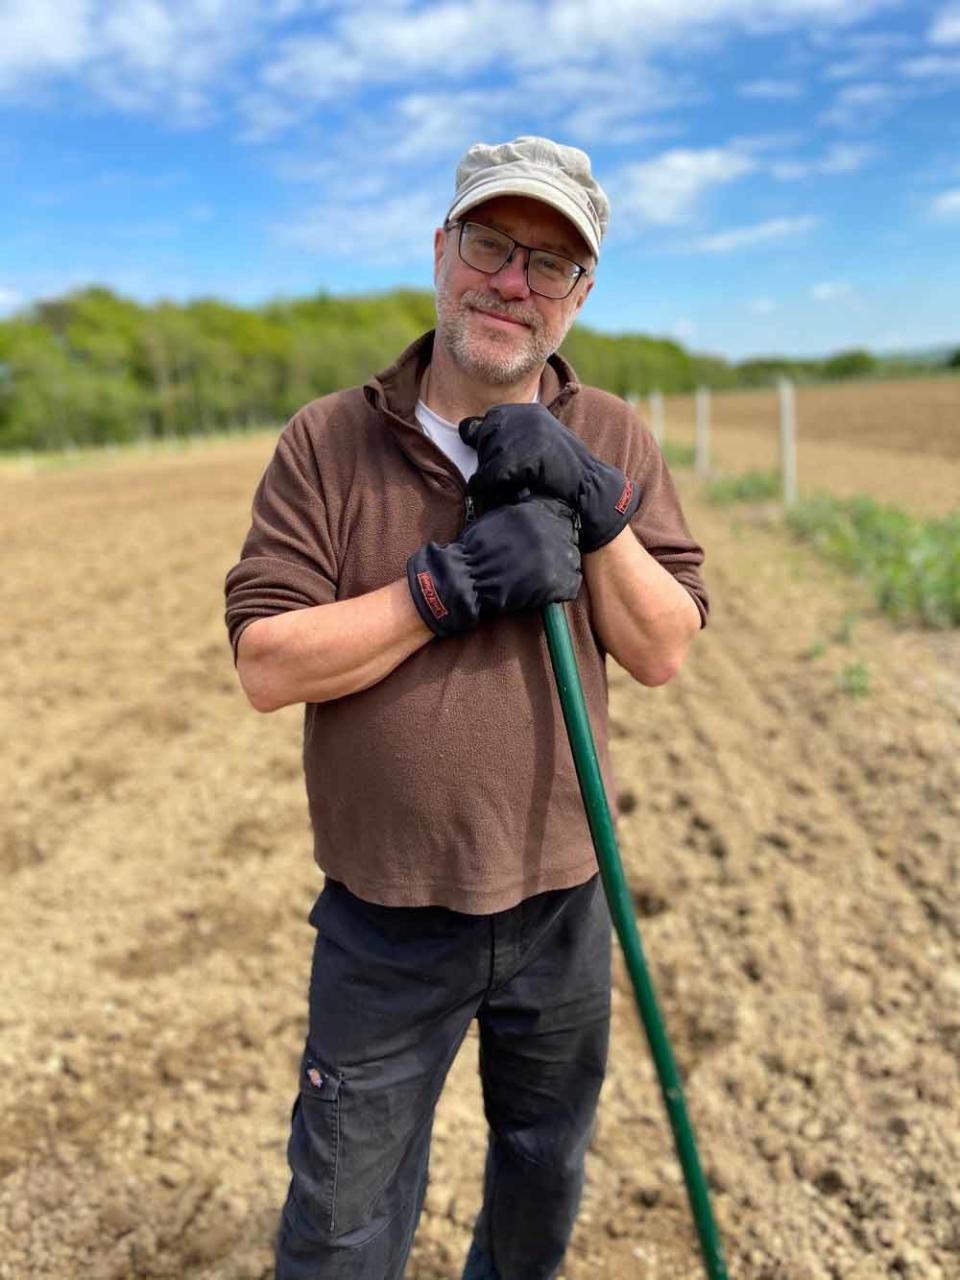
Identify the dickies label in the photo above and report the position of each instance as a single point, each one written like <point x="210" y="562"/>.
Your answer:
<point x="434" y="603"/>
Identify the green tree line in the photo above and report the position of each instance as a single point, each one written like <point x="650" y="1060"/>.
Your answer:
<point x="92" y="367"/>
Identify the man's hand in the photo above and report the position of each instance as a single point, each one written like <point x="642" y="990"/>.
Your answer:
<point x="514" y="557"/>
<point x="523" y="447"/>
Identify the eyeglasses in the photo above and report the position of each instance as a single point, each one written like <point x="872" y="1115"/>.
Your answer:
<point x="485" y="249"/>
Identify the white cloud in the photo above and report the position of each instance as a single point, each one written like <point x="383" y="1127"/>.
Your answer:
<point x="860" y="105"/>
<point x="43" y="37"/>
<point x="612" y="101"/>
<point x="945" y="28"/>
<point x="771" y="90"/>
<point x="841" y="157"/>
<point x="528" y="45"/>
<point x="264" y="117"/>
<point x="606" y="122"/>
<point x="946" y="205"/>
<point x="371" y="166"/>
<point x="312" y="67"/>
<point x="932" y="66"/>
<point x="661" y="21"/>
<point x="760" y="233"/>
<point x="10" y="300"/>
<point x="831" y="291"/>
<point x="329" y="172"/>
<point x="862" y="55"/>
<point x="879" y="41"/>
<point x="459" y="37"/>
<point x="851" y="68"/>
<point x="667" y="189"/>
<point x="426" y="125"/>
<point x="764" y="143"/>
<point x="175" y="57"/>
<point x="193" y="59"/>
<point x="398" y="229"/>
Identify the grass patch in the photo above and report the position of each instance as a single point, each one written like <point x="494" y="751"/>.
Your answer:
<point x="678" y="455"/>
<point x="814" y="652"/>
<point x="854" y="679"/>
<point x="751" y="486"/>
<point x="25" y="460"/>
<point x="911" y="564"/>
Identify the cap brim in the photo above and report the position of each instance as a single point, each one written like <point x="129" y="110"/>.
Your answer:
<point x="543" y="191"/>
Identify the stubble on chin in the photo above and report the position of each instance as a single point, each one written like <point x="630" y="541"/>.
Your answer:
<point x="491" y="357"/>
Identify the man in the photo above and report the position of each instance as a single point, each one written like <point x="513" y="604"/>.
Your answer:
<point x="403" y="608"/>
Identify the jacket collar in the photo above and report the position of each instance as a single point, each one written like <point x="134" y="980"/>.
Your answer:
<point x="395" y="390"/>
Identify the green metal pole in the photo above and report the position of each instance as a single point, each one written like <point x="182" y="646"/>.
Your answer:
<point x="621" y="910"/>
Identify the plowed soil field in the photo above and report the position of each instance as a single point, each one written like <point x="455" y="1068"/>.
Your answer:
<point x="792" y="846"/>
<point x="897" y="441"/>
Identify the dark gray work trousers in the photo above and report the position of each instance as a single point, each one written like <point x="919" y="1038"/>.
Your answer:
<point x="392" y="993"/>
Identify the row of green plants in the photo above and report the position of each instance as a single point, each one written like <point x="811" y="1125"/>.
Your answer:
<point x="92" y="367"/>
<point x="911" y="564"/>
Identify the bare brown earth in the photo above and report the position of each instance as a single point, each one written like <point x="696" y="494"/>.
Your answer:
<point x="792" y="850"/>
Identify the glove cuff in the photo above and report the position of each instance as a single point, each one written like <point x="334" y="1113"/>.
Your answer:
<point x="442" y="589"/>
<point x="607" y="502"/>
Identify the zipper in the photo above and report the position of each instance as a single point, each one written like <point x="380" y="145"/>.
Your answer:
<point x="470" y="509"/>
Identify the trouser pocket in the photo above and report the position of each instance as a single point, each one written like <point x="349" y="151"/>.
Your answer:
<point x="314" y="1147"/>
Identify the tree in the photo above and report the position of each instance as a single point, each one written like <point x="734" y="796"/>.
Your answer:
<point x="849" y="364"/>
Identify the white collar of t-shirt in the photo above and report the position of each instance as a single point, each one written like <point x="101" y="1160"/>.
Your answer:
<point x="446" y="436"/>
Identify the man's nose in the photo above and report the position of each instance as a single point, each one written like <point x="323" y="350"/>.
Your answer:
<point x="511" y="280"/>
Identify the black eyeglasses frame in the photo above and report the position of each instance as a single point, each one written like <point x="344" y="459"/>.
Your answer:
<point x="463" y="223"/>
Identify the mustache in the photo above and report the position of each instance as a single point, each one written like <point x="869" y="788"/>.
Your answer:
<point x="493" y="306"/>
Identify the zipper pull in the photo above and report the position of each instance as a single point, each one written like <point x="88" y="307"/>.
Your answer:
<point x="471" y="510"/>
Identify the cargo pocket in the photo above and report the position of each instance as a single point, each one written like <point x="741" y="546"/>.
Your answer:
<point x="314" y="1149"/>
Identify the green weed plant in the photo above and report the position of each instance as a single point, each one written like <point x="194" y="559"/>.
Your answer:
<point x="750" y="486"/>
<point x="911" y="564"/>
<point x="678" y="455"/>
<point x="854" y="679"/>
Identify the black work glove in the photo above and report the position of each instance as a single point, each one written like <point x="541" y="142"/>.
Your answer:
<point x="515" y="557"/>
<point x="523" y="446"/>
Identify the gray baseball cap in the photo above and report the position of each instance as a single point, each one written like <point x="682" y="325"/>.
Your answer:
<point x="558" y="175"/>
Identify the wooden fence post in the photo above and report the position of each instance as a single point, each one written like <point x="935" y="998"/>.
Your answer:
<point x="658" y="421"/>
<point x="788" y="441"/>
<point x="702" y="453"/>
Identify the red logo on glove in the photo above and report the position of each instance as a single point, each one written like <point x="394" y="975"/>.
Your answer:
<point x="624" y="499"/>
<point x="437" y="607"/>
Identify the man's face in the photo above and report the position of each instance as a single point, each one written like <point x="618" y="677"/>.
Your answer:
<point x="495" y="329"/>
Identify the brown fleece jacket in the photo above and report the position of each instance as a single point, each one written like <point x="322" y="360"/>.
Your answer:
<point x="451" y="781"/>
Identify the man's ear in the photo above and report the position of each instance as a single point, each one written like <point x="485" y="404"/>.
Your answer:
<point x="439" y="239"/>
<point x="583" y="294"/>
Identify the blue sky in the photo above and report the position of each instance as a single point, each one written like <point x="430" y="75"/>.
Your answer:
<point x="784" y="174"/>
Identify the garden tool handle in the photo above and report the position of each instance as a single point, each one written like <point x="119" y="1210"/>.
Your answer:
<point x="600" y="821"/>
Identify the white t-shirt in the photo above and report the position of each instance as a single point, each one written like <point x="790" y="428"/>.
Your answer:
<point x="446" y="436"/>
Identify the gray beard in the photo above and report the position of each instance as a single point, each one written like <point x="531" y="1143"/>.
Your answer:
<point x="495" y="368"/>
